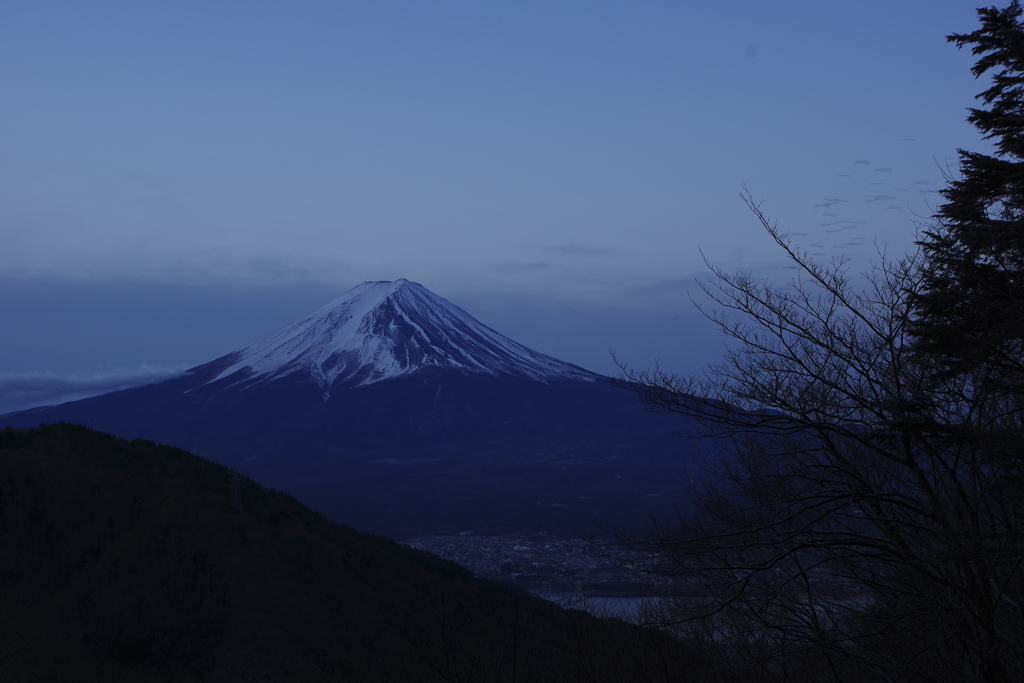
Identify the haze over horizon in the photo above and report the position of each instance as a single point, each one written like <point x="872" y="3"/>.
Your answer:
<point x="180" y="180"/>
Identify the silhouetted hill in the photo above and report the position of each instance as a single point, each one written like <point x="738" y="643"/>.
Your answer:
<point x="133" y="561"/>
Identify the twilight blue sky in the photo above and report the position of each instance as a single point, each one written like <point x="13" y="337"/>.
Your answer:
<point x="178" y="179"/>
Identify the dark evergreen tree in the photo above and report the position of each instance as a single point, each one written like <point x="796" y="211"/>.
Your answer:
<point x="970" y="308"/>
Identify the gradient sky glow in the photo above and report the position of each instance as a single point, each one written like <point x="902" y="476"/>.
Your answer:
<point x="178" y="179"/>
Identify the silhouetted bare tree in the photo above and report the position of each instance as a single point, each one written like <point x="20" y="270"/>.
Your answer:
<point x="855" y="528"/>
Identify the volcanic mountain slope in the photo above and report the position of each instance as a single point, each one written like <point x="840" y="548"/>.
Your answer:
<point x="142" y="563"/>
<point x="395" y="411"/>
<point x="384" y="330"/>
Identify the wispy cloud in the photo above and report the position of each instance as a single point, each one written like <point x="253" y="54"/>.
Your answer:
<point x="34" y="389"/>
<point x="579" y="250"/>
<point x="514" y="267"/>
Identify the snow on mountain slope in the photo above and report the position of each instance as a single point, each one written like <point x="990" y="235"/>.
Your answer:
<point x="380" y="330"/>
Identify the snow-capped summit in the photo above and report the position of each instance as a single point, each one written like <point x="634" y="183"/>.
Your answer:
<point x="381" y="330"/>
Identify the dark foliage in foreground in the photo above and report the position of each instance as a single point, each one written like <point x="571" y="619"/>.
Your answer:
<point x="869" y="524"/>
<point x="864" y="527"/>
<point x="131" y="561"/>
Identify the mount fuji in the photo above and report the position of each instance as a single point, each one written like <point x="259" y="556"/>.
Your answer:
<point x="395" y="411"/>
<point x="383" y="330"/>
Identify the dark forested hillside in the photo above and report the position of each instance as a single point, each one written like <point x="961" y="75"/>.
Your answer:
<point x="133" y="561"/>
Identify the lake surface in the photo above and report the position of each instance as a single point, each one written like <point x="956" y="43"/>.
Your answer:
<point x="627" y="609"/>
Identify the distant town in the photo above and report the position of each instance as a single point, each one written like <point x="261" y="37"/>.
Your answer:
<point x="547" y="564"/>
<point x="544" y="562"/>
